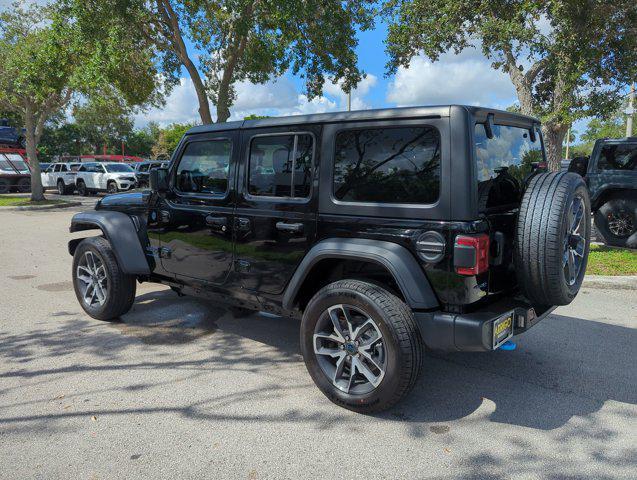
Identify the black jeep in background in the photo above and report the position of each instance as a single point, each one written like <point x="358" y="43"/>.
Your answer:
<point x="387" y="232"/>
<point x="611" y="176"/>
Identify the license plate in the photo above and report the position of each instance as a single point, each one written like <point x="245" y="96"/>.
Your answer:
<point x="502" y="329"/>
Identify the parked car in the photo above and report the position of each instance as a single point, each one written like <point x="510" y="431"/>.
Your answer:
<point x="142" y="170"/>
<point x="611" y="176"/>
<point x="384" y="231"/>
<point x="108" y="177"/>
<point x="60" y="176"/>
<point x="15" y="174"/>
<point x="11" y="136"/>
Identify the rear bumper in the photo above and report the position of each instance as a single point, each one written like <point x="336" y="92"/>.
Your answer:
<point x="473" y="332"/>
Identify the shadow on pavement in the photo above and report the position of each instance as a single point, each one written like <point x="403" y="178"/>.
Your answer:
<point x="532" y="387"/>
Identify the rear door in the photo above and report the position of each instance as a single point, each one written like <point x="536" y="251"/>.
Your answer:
<point x="197" y="214"/>
<point x="276" y="208"/>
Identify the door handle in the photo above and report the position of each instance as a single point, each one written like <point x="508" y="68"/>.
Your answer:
<point x="218" y="222"/>
<point x="289" y="227"/>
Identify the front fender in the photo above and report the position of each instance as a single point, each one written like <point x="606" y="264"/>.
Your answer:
<point x="398" y="261"/>
<point x="121" y="231"/>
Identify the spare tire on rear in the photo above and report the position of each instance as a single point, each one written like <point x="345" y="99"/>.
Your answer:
<point x="552" y="238"/>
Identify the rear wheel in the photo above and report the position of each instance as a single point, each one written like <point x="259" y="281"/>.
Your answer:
<point x="81" y="188"/>
<point x="616" y="220"/>
<point x="361" y="345"/>
<point x="103" y="290"/>
<point x="24" y="185"/>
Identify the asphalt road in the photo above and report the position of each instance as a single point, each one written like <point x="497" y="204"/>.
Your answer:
<point x="181" y="389"/>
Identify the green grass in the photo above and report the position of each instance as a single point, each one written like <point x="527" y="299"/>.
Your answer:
<point x="13" y="201"/>
<point x="611" y="261"/>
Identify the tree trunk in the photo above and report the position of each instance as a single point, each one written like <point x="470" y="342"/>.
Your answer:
<point x="37" y="192"/>
<point x="202" y="97"/>
<point x="223" y="111"/>
<point x="553" y="140"/>
<point x="179" y="46"/>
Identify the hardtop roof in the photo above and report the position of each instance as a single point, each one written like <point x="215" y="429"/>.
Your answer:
<point x="358" y="115"/>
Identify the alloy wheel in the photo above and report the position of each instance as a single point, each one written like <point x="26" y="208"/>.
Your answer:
<point x="574" y="242"/>
<point x="621" y="224"/>
<point x="350" y="349"/>
<point x="93" y="280"/>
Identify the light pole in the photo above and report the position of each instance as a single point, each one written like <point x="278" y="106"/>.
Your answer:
<point x="630" y="111"/>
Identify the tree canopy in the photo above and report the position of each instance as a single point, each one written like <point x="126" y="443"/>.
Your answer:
<point x="237" y="40"/>
<point x="567" y="59"/>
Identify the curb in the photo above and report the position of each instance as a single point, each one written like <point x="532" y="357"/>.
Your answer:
<point x="620" y="282"/>
<point x="41" y="207"/>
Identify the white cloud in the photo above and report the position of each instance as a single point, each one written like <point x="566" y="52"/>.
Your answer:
<point x="358" y="94"/>
<point x="467" y="78"/>
<point x="277" y="97"/>
<point x="181" y="107"/>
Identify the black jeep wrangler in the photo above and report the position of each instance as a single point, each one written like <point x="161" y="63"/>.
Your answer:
<point x="387" y="232"/>
<point x="611" y="176"/>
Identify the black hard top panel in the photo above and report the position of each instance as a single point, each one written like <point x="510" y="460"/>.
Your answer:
<point x="358" y="116"/>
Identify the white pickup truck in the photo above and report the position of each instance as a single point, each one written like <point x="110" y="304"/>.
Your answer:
<point x="104" y="177"/>
<point x="60" y="176"/>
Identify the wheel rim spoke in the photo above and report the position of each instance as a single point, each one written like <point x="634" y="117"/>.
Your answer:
<point x="92" y="274"/>
<point x="350" y="350"/>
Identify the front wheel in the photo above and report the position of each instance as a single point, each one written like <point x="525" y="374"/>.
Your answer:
<point x="103" y="290"/>
<point x="361" y="345"/>
<point x="5" y="185"/>
<point x="111" y="187"/>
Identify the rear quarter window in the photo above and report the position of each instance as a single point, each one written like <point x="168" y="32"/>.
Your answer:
<point x="618" y="157"/>
<point x="398" y="165"/>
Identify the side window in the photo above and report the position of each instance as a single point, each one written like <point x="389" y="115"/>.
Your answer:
<point x="63" y="168"/>
<point x="618" y="157"/>
<point x="281" y="166"/>
<point x="144" y="167"/>
<point x="57" y="168"/>
<point x="49" y="169"/>
<point x="387" y="165"/>
<point x="204" y="167"/>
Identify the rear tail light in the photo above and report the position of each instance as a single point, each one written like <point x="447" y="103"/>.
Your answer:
<point x="471" y="254"/>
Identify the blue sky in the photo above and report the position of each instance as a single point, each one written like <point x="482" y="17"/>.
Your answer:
<point x="465" y="78"/>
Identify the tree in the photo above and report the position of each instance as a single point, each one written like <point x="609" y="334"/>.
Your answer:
<point x="243" y="40"/>
<point x="47" y="60"/>
<point x="103" y="121"/>
<point x="169" y="138"/>
<point x="567" y="59"/>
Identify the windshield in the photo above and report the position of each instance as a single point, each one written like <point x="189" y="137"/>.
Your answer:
<point x="5" y="166"/>
<point x="118" y="168"/>
<point x="504" y="162"/>
<point x="18" y="162"/>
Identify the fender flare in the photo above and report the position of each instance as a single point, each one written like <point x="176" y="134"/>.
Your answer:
<point x="120" y="230"/>
<point x="400" y="263"/>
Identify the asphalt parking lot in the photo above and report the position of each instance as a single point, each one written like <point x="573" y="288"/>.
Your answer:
<point x="181" y="389"/>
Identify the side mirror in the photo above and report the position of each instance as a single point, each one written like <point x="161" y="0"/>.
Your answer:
<point x="158" y="180"/>
<point x="579" y="165"/>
